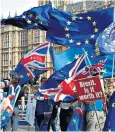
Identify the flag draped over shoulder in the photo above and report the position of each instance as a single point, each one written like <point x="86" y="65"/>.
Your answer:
<point x="33" y="63"/>
<point x="77" y="120"/>
<point x="12" y="97"/>
<point x="35" y="18"/>
<point x="110" y="120"/>
<point x="79" y="30"/>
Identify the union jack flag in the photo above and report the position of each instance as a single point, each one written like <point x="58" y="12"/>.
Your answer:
<point x="51" y="91"/>
<point x="7" y="113"/>
<point x="87" y="71"/>
<point x="33" y="63"/>
<point x="75" y="68"/>
<point x="68" y="84"/>
<point x="64" y="83"/>
<point x="62" y="97"/>
<point x="11" y="93"/>
<point x="79" y="111"/>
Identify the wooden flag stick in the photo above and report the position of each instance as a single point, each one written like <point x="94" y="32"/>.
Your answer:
<point x="97" y="115"/>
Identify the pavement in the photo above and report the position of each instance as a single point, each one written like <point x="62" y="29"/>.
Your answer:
<point x="24" y="128"/>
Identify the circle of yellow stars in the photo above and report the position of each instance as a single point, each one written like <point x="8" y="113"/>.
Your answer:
<point x="74" y="18"/>
<point x="28" y="19"/>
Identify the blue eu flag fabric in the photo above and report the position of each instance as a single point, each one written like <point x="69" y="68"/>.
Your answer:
<point x="108" y="65"/>
<point x="26" y="76"/>
<point x="77" y="121"/>
<point x="79" y="30"/>
<point x="106" y="40"/>
<point x="66" y="56"/>
<point x="73" y="53"/>
<point x="35" y="18"/>
<point x="110" y="119"/>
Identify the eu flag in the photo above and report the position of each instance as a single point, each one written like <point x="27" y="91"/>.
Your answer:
<point x="110" y="119"/>
<point x="77" y="120"/>
<point x="108" y="65"/>
<point x="106" y="40"/>
<point x="35" y="18"/>
<point x="78" y="30"/>
<point x="66" y="56"/>
<point x="74" y="53"/>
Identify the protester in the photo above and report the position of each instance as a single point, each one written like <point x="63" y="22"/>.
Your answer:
<point x="53" y="123"/>
<point x="110" y="119"/>
<point x="26" y="92"/>
<point x="2" y="85"/>
<point x="3" y="100"/>
<point x="43" y="110"/>
<point x="77" y="121"/>
<point x="95" y="122"/>
<point x="13" y="122"/>
<point x="66" y="112"/>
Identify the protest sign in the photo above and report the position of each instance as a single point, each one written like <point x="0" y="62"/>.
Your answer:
<point x="89" y="89"/>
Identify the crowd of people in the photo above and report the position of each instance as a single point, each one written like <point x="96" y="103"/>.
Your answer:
<point x="58" y="116"/>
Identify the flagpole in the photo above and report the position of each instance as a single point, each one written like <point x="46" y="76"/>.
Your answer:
<point x="97" y="115"/>
<point x="87" y="57"/>
<point x="113" y="66"/>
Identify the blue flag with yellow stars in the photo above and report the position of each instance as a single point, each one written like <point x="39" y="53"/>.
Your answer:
<point x="109" y="68"/>
<point x="74" y="53"/>
<point x="78" y="30"/>
<point x="110" y="119"/>
<point x="106" y="40"/>
<point x="35" y="18"/>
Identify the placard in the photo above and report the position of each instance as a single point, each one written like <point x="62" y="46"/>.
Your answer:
<point x="89" y="89"/>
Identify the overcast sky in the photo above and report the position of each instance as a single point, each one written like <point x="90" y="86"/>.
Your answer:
<point x="17" y="5"/>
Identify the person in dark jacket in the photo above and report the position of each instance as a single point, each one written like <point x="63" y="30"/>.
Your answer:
<point x="43" y="110"/>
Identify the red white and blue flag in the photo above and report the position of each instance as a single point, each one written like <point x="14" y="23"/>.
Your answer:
<point x="7" y="113"/>
<point x="87" y="71"/>
<point x="61" y="81"/>
<point x="33" y="63"/>
<point x="61" y="97"/>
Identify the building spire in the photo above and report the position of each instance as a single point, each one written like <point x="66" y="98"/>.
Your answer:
<point x="15" y="13"/>
<point x="9" y="15"/>
<point x="2" y="16"/>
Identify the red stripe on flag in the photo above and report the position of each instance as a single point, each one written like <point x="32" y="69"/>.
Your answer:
<point x="58" y="96"/>
<point x="9" y="109"/>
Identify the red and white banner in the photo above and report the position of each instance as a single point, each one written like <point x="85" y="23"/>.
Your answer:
<point x="89" y="89"/>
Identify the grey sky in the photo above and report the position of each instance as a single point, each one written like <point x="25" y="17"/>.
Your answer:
<point x="17" y="5"/>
